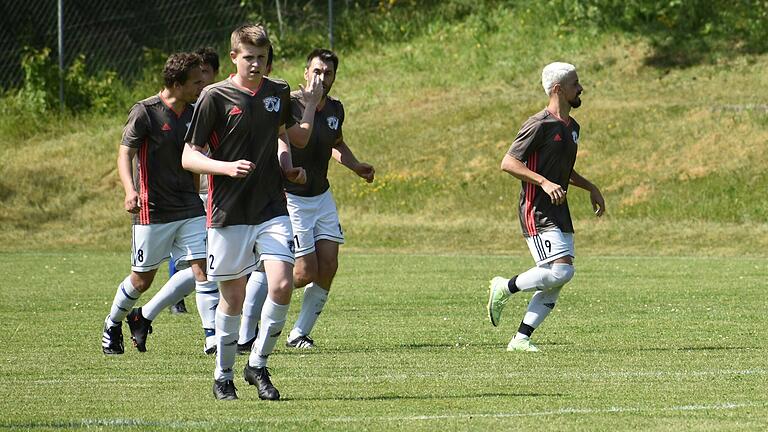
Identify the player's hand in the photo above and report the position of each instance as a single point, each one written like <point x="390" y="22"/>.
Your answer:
<point x="240" y="169"/>
<point x="598" y="203"/>
<point x="555" y="191"/>
<point x="365" y="171"/>
<point x="314" y="93"/>
<point x="296" y="175"/>
<point x="131" y="202"/>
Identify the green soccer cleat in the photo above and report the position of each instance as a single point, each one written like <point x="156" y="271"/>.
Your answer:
<point x="524" y="345"/>
<point x="499" y="295"/>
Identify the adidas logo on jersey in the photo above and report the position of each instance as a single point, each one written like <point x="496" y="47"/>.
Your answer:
<point x="272" y="103"/>
<point x="166" y="127"/>
<point x="235" y="110"/>
<point x="575" y="137"/>
<point x="333" y="123"/>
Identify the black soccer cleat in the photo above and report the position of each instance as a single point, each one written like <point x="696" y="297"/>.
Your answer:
<point x="259" y="376"/>
<point x="112" y="339"/>
<point x="224" y="390"/>
<point x="140" y="328"/>
<point x="246" y="347"/>
<point x="304" y="342"/>
<point x="179" y="308"/>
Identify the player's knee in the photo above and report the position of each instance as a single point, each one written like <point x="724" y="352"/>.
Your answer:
<point x="562" y="273"/>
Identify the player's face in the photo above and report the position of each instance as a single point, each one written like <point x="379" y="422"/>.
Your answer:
<point x="191" y="89"/>
<point x="251" y="62"/>
<point x="322" y="69"/>
<point x="572" y="89"/>
<point x="208" y="74"/>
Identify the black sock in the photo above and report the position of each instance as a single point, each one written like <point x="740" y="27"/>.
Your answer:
<point x="525" y="329"/>
<point x="512" y="285"/>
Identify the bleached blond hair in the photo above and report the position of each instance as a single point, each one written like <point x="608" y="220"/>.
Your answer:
<point x="555" y="73"/>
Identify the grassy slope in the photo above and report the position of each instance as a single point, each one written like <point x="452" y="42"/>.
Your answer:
<point x="679" y="154"/>
<point x="634" y="344"/>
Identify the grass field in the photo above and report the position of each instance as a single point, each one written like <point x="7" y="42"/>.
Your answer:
<point x="634" y="344"/>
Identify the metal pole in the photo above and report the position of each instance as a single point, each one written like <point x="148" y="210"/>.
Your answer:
<point x="330" y="24"/>
<point x="61" y="54"/>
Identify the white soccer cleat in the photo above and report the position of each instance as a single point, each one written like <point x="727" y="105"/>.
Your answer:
<point x="524" y="345"/>
<point x="498" y="297"/>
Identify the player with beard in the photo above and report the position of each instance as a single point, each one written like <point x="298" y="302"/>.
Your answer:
<point x="543" y="156"/>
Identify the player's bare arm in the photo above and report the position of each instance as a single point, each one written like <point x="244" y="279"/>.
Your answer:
<point x="343" y="155"/>
<point x="518" y="170"/>
<point x="300" y="132"/>
<point x="125" y="156"/>
<point x="294" y="174"/>
<point x="193" y="159"/>
<point x="598" y="203"/>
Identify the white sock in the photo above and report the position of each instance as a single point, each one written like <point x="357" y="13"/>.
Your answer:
<point x="226" y="345"/>
<point x="544" y="277"/>
<point x="272" y="323"/>
<point x="539" y="307"/>
<point x="311" y="307"/>
<point x="125" y="300"/>
<point x="255" y="294"/>
<point x="207" y="298"/>
<point x="178" y="286"/>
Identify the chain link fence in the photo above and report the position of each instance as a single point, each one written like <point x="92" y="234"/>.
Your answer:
<point x="118" y="35"/>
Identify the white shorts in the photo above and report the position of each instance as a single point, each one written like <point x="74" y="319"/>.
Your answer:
<point x="182" y="240"/>
<point x="313" y="218"/>
<point x="548" y="246"/>
<point x="236" y="250"/>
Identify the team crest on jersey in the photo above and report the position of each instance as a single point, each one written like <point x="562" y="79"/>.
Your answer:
<point x="272" y="103"/>
<point x="575" y="137"/>
<point x="292" y="246"/>
<point x="333" y="122"/>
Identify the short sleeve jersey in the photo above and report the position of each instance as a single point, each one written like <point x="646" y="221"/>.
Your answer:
<point x="548" y="146"/>
<point x="166" y="191"/>
<point x="314" y="158"/>
<point x="239" y="123"/>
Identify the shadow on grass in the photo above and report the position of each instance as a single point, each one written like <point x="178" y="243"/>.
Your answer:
<point x="423" y="397"/>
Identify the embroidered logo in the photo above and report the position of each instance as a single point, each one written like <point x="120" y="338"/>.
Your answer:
<point x="235" y="111"/>
<point x="333" y="122"/>
<point x="166" y="127"/>
<point x="558" y="138"/>
<point x="272" y="103"/>
<point x="575" y="137"/>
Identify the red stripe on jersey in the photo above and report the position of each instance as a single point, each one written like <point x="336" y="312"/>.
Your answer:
<point x="209" y="202"/>
<point x="214" y="141"/>
<point x="530" y="194"/>
<point x="143" y="185"/>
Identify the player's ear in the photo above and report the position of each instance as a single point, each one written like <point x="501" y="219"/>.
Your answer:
<point x="233" y="56"/>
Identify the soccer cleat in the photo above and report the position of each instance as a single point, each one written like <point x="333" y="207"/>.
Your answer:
<point x="521" y="345"/>
<point x="112" y="339"/>
<point x="209" y="345"/>
<point x="499" y="295"/>
<point x="179" y="308"/>
<point x="259" y="376"/>
<point x="140" y="328"/>
<point x="224" y="390"/>
<point x="304" y="342"/>
<point x="246" y="347"/>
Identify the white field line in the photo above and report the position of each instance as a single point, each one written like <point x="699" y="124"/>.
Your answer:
<point x="366" y="378"/>
<point x="458" y="416"/>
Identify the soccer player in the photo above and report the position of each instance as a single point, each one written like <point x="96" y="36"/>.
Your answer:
<point x="244" y="119"/>
<point x="543" y="156"/>
<point x="168" y="217"/>
<point x="317" y="137"/>
<point x="256" y="289"/>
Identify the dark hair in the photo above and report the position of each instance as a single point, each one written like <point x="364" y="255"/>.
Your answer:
<point x="209" y="56"/>
<point x="270" y="56"/>
<point x="177" y="67"/>
<point x="324" y="55"/>
<point x="252" y="34"/>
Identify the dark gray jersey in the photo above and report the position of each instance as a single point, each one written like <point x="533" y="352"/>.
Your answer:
<point x="166" y="191"/>
<point x="239" y="123"/>
<point x="547" y="146"/>
<point x="326" y="132"/>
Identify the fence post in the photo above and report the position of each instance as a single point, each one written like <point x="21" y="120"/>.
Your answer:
<point x="61" y="55"/>
<point x="330" y="24"/>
